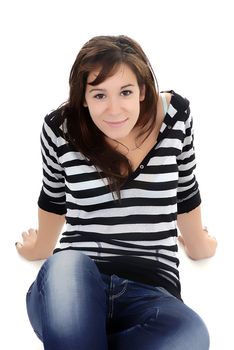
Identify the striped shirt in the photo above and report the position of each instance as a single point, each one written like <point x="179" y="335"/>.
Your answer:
<point x="135" y="238"/>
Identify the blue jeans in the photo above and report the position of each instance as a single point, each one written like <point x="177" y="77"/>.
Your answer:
<point x="72" y="306"/>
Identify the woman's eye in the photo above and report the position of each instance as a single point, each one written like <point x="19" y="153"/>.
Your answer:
<point x="126" y="92"/>
<point x="102" y="96"/>
<point x="99" y="96"/>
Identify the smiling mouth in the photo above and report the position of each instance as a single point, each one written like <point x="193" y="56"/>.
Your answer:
<point x="116" y="124"/>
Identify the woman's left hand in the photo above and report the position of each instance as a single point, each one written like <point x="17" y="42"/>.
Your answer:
<point x="207" y="247"/>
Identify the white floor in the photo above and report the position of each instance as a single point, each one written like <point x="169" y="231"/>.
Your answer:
<point x="204" y="289"/>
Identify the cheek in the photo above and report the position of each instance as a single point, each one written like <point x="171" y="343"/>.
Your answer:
<point x="94" y="111"/>
<point x="96" y="116"/>
<point x="136" y="110"/>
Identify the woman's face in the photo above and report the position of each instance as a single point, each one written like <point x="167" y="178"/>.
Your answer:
<point x="114" y="105"/>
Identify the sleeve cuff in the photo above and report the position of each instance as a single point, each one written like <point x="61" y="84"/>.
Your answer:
<point x="45" y="203"/>
<point x="189" y="204"/>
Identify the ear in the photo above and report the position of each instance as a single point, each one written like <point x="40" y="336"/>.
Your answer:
<point x="85" y="103"/>
<point x="142" y="93"/>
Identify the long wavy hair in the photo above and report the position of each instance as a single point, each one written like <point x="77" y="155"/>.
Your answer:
<point x="107" y="53"/>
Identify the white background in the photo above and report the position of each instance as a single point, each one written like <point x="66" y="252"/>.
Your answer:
<point x="189" y="44"/>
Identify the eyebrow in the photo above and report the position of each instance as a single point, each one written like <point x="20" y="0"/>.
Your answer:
<point x="122" y="87"/>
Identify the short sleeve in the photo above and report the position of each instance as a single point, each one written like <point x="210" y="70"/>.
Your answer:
<point x="188" y="194"/>
<point x="52" y="196"/>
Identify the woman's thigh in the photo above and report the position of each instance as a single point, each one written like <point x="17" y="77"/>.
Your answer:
<point x="67" y="304"/>
<point x="162" y="322"/>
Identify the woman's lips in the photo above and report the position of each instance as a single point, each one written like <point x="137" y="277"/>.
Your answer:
<point x="116" y="124"/>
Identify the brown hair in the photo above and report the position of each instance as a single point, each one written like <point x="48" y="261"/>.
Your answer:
<point x="107" y="53"/>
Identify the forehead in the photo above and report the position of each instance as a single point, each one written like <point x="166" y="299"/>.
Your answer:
<point x="121" y="73"/>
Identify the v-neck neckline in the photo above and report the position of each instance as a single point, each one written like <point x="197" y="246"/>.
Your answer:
<point x="165" y="126"/>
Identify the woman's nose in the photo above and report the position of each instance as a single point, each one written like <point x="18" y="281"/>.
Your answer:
<point x="113" y="107"/>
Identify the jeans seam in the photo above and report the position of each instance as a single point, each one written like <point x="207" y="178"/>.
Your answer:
<point x="121" y="292"/>
<point x="110" y="300"/>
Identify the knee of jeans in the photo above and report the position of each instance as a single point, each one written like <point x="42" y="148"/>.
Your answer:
<point x="203" y="334"/>
<point x="65" y="266"/>
<point x="70" y="260"/>
<point x="197" y="333"/>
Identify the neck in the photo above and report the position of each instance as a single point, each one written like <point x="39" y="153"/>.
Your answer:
<point x="128" y="144"/>
<point x="129" y="148"/>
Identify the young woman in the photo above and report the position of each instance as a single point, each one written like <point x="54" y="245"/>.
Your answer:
<point x="118" y="162"/>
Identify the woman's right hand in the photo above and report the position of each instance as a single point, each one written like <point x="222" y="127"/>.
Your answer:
<point x="39" y="244"/>
<point x="27" y="249"/>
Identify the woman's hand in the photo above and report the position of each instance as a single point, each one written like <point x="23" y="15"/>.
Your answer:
<point x="39" y="244"/>
<point x="206" y="249"/>
<point x="28" y="249"/>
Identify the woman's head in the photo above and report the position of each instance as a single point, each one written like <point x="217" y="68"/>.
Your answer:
<point x="104" y="56"/>
<point x="114" y="104"/>
<point x="103" y="68"/>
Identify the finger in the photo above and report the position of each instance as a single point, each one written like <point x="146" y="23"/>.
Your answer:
<point x="213" y="239"/>
<point x="18" y="245"/>
<point x="24" y="235"/>
<point x="31" y="231"/>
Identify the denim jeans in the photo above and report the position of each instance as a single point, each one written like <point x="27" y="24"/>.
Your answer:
<point x="72" y="306"/>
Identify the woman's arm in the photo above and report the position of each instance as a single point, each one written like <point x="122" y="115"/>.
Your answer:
<point x="39" y="244"/>
<point x="197" y="242"/>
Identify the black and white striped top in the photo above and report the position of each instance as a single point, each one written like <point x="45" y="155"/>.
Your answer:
<point x="137" y="237"/>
